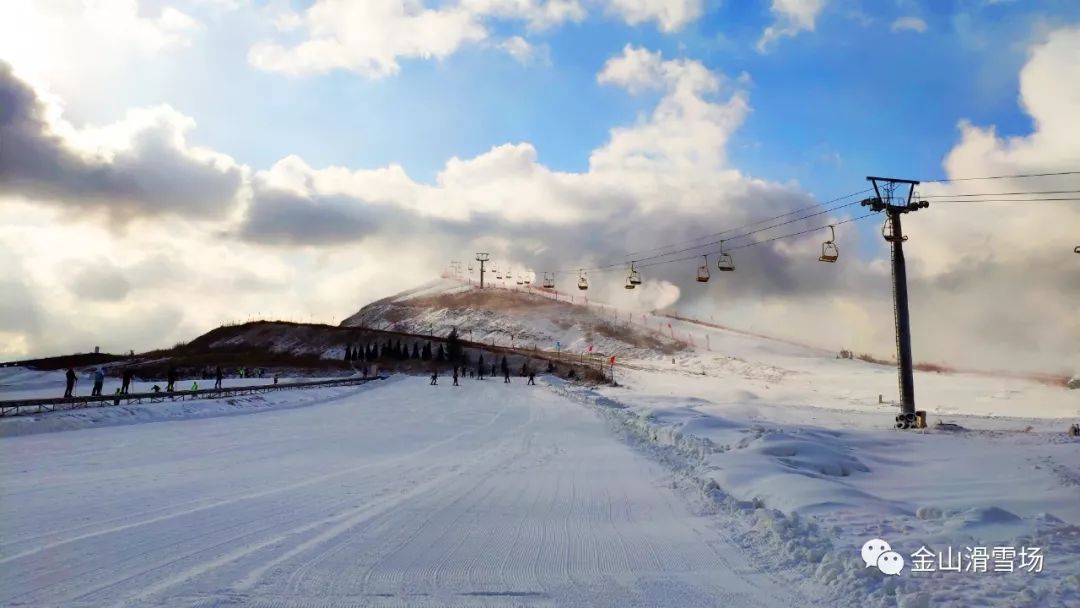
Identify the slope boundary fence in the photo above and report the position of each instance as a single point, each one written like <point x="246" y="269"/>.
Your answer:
<point x="18" y="407"/>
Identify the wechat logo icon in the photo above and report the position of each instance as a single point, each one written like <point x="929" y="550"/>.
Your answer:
<point x="878" y="554"/>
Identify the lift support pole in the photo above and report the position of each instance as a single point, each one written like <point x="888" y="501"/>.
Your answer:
<point x="482" y="257"/>
<point x="887" y="200"/>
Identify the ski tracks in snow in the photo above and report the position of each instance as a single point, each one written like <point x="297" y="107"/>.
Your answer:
<point x="481" y="495"/>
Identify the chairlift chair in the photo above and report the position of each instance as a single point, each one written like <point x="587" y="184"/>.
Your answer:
<point x="629" y="283"/>
<point x="886" y="231"/>
<point x="520" y="280"/>
<point x="703" y="271"/>
<point x="635" y="276"/>
<point x="723" y="261"/>
<point x="582" y="282"/>
<point x="549" y="282"/>
<point x="1076" y="249"/>
<point x="829" y="251"/>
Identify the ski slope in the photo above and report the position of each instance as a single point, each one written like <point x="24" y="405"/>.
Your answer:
<point x="400" y="494"/>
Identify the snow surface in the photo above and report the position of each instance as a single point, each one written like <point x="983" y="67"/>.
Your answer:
<point x="740" y="470"/>
<point x="484" y="495"/>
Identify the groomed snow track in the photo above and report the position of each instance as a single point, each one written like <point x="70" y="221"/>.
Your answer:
<point x="395" y="494"/>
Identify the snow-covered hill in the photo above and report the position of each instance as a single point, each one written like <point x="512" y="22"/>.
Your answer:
<point x="522" y="318"/>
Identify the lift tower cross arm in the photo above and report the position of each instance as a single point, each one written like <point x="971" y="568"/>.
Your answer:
<point x="889" y="198"/>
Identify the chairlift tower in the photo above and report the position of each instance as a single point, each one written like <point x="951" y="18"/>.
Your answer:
<point x="890" y="198"/>
<point x="482" y="257"/>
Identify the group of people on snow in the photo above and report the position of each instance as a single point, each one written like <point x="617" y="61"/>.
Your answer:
<point x="127" y="375"/>
<point x="478" y="373"/>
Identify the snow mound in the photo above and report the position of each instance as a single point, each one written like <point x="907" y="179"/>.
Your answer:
<point x="527" y="318"/>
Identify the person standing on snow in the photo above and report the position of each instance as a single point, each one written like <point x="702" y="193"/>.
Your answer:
<point x="532" y="377"/>
<point x="505" y="370"/>
<point x="217" y="377"/>
<point x="480" y="367"/>
<point x="99" y="379"/>
<point x="455" y="376"/>
<point x="434" y="377"/>
<point x="125" y="387"/>
<point x="71" y="378"/>
<point x="171" y="377"/>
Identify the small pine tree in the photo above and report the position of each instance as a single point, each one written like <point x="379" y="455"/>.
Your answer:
<point x="415" y="350"/>
<point x="426" y="355"/>
<point x="348" y="352"/>
<point x="453" y="346"/>
<point x="441" y="357"/>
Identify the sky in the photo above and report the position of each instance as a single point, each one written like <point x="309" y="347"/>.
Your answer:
<point x="168" y="165"/>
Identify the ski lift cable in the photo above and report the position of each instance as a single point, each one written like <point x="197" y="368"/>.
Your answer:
<point x="777" y="238"/>
<point x="762" y="221"/>
<point x="730" y="238"/>
<point x="770" y="227"/>
<point x="1017" y="176"/>
<point x="968" y="195"/>
<point x="1007" y="200"/>
<point x="627" y="256"/>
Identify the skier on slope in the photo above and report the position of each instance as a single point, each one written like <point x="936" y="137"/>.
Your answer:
<point x="505" y="370"/>
<point x="455" y="376"/>
<point x="217" y="377"/>
<point x="71" y="378"/>
<point x="99" y="379"/>
<point x="171" y="378"/>
<point x="128" y="374"/>
<point x="434" y="376"/>
<point x="532" y="377"/>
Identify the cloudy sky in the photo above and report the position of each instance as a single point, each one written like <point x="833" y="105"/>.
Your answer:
<point x="166" y="165"/>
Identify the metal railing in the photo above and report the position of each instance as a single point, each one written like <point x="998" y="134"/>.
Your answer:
<point x="17" y="407"/>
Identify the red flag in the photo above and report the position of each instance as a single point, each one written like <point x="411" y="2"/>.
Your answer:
<point x="612" y="360"/>
<point x="590" y="348"/>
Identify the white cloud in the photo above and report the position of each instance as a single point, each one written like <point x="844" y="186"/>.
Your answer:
<point x="369" y="38"/>
<point x="538" y="14"/>
<point x="911" y="24"/>
<point x="1008" y="269"/>
<point x="792" y="17"/>
<point x="72" y="39"/>
<point x="139" y="166"/>
<point x="669" y="15"/>
<point x="525" y="52"/>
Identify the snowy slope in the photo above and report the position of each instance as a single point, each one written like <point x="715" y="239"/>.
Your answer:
<point x="481" y="495"/>
<point x="791" y="433"/>
<point x="785" y="447"/>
